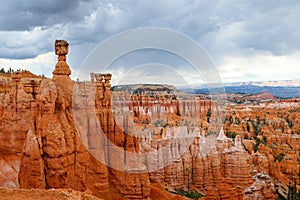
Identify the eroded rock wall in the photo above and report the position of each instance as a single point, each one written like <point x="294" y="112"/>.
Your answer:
<point x="68" y="134"/>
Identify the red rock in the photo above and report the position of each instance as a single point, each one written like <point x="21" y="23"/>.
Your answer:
<point x="262" y="188"/>
<point x="57" y="128"/>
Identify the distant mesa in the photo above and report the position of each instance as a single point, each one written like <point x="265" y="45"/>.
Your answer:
<point x="146" y="89"/>
<point x="285" y="91"/>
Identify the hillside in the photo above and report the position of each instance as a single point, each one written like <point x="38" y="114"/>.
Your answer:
<point x="277" y="91"/>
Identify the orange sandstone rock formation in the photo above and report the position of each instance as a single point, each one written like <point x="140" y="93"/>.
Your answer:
<point x="68" y="134"/>
<point x="262" y="188"/>
<point x="53" y="154"/>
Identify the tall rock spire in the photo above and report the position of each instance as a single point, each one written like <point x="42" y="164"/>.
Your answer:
<point x="61" y="74"/>
<point x="61" y="67"/>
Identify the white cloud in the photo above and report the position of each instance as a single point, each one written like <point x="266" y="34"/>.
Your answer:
<point x="42" y="64"/>
<point x="28" y="44"/>
<point x="150" y="73"/>
<point x="259" y="67"/>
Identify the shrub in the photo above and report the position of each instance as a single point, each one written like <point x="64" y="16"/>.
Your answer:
<point x="280" y="157"/>
<point x="189" y="194"/>
<point x="265" y="139"/>
<point x="255" y="147"/>
<point x="231" y="134"/>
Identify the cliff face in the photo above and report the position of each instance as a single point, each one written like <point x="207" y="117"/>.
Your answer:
<point x="271" y="136"/>
<point x="18" y="110"/>
<point x="57" y="153"/>
<point x="147" y="109"/>
<point x="262" y="188"/>
<point x="174" y="156"/>
<point x="17" y="113"/>
<point x="221" y="174"/>
<point x="53" y="154"/>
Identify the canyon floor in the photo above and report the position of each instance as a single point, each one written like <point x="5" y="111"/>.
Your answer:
<point x="34" y="194"/>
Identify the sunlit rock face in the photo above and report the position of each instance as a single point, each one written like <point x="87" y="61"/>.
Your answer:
<point x="262" y="188"/>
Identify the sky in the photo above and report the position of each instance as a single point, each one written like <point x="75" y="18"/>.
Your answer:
<point x="246" y="40"/>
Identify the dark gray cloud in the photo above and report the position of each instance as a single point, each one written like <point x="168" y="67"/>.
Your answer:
<point x="22" y="15"/>
<point x="29" y="28"/>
